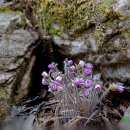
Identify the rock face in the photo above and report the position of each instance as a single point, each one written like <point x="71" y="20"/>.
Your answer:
<point x="104" y="41"/>
<point x="17" y="43"/>
<point x="2" y="1"/>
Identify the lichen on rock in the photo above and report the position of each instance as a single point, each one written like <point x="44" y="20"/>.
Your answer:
<point x="75" y="15"/>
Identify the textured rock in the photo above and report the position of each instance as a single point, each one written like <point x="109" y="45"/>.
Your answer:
<point x="105" y="42"/>
<point x="122" y="7"/>
<point x="16" y="49"/>
<point x="70" y="47"/>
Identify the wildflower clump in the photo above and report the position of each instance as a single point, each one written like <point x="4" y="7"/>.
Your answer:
<point x="78" y="91"/>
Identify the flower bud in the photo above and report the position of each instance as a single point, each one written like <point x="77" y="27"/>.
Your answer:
<point x="53" y="87"/>
<point x="88" y="83"/>
<point x="78" y="81"/>
<point x="73" y="68"/>
<point x="120" y="89"/>
<point x="71" y="73"/>
<point x="88" y="71"/>
<point x="89" y="65"/>
<point x="82" y="63"/>
<point x="51" y="66"/>
<point x="44" y="74"/>
<point x="59" y="79"/>
<point x="60" y="89"/>
<point x="86" y="92"/>
<point x="98" y="88"/>
<point x="44" y="82"/>
<point x="70" y="62"/>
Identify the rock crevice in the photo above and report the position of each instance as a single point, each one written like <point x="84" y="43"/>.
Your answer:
<point x="17" y="44"/>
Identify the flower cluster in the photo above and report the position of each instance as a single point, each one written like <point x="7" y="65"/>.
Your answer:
<point x="75" y="75"/>
<point x="78" y="91"/>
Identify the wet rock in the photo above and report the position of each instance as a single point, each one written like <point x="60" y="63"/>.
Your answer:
<point x="16" y="60"/>
<point x="105" y="42"/>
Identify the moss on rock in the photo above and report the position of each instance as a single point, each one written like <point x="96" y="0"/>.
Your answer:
<point x="5" y="103"/>
<point x="76" y="15"/>
<point x="126" y="33"/>
<point x="9" y="9"/>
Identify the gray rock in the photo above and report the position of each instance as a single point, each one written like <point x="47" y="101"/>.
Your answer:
<point x="122" y="7"/>
<point x="16" y="48"/>
<point x="72" y="47"/>
<point x="106" y="43"/>
<point x="2" y="1"/>
<point x="7" y="22"/>
<point x="120" y="72"/>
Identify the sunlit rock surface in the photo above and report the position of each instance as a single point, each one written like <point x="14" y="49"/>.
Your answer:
<point x="17" y="43"/>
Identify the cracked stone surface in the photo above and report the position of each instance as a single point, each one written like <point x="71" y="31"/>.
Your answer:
<point x="16" y="49"/>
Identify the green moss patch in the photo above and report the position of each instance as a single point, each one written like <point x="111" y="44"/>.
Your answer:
<point x="72" y="14"/>
<point x="9" y="9"/>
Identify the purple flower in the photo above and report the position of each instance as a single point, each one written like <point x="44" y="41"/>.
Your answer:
<point x="53" y="87"/>
<point x="78" y="81"/>
<point x="82" y="63"/>
<point x="89" y="65"/>
<point x="120" y="89"/>
<point x="59" y="79"/>
<point x="73" y="68"/>
<point x="88" y="83"/>
<point x="44" y="74"/>
<point x="70" y="62"/>
<point x="88" y="71"/>
<point x="71" y="73"/>
<point x="44" y="82"/>
<point x="86" y="92"/>
<point x="98" y="88"/>
<point x="51" y="66"/>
